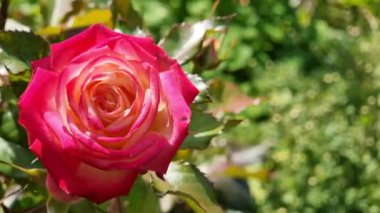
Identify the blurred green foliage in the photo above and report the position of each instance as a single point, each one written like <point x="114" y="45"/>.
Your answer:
<point x="315" y="65"/>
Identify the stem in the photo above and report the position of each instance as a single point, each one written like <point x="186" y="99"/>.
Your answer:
<point x="3" y="13"/>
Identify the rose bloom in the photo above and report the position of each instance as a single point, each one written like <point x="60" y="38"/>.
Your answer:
<point x="103" y="108"/>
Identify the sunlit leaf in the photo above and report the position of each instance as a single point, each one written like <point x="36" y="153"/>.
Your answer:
<point x="10" y="64"/>
<point x="12" y="193"/>
<point x="241" y="172"/>
<point x="92" y="17"/>
<point x="203" y="96"/>
<point x="13" y="25"/>
<point x="187" y="182"/>
<point x="184" y="41"/>
<point x="49" y="31"/>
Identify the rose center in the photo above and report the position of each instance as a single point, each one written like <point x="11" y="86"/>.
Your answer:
<point x="107" y="102"/>
<point x="109" y="98"/>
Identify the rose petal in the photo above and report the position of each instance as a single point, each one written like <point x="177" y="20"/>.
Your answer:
<point x="139" y="153"/>
<point x="43" y="63"/>
<point x="63" y="52"/>
<point x="189" y="91"/>
<point x="37" y="99"/>
<point x="76" y="178"/>
<point x="180" y="113"/>
<point x="57" y="193"/>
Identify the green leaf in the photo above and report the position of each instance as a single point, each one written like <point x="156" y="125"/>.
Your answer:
<point x="82" y="206"/>
<point x="29" y="46"/>
<point x="11" y="64"/>
<point x="8" y="126"/>
<point x="15" y="161"/>
<point x="124" y="11"/>
<point x="186" y="181"/>
<point x="7" y="96"/>
<point x="142" y="199"/>
<point x="54" y="206"/>
<point x="203" y="128"/>
<point x="19" y="82"/>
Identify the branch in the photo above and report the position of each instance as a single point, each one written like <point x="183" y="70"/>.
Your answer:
<point x="3" y="13"/>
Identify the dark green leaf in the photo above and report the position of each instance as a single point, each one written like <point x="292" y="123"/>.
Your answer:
<point x="124" y="11"/>
<point x="7" y="96"/>
<point x="82" y="206"/>
<point x="29" y="46"/>
<point x="19" y="82"/>
<point x="15" y="161"/>
<point x="8" y="126"/>
<point x="142" y="199"/>
<point x="54" y="206"/>
<point x="234" y="194"/>
<point x="203" y="128"/>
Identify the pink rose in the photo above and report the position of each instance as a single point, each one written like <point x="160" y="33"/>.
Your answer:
<point x="103" y="108"/>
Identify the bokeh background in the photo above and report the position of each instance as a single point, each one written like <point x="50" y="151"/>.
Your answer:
<point x="313" y="67"/>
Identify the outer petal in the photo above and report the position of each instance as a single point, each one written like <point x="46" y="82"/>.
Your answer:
<point x="79" y="179"/>
<point x="38" y="98"/>
<point x="62" y="53"/>
<point x="43" y="63"/>
<point x="180" y="113"/>
<point x="189" y="91"/>
<point x="57" y="193"/>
